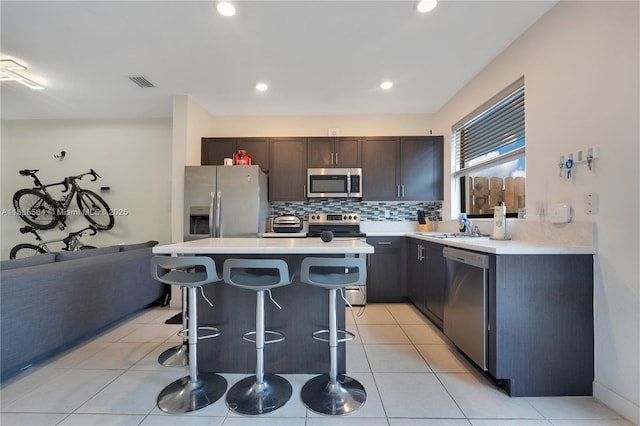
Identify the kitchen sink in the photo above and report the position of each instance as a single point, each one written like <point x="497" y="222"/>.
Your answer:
<point x="450" y="235"/>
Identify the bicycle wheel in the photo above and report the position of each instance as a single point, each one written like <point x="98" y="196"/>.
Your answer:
<point x="25" y="250"/>
<point x="95" y="209"/>
<point x="86" y="247"/>
<point x="33" y="207"/>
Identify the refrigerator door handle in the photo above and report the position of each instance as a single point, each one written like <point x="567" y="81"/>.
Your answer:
<point x="211" y="212"/>
<point x="218" y="215"/>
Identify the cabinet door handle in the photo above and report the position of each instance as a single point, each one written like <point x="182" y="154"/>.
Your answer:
<point x="332" y="163"/>
<point x="398" y="191"/>
<point x="384" y="243"/>
<point x="402" y="190"/>
<point x="336" y="158"/>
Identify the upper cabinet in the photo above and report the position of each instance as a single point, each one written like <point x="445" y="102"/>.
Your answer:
<point x="215" y="150"/>
<point x="288" y="174"/>
<point x="403" y="168"/>
<point x="334" y="152"/>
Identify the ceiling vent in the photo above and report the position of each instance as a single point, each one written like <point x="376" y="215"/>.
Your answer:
<point x="141" y="81"/>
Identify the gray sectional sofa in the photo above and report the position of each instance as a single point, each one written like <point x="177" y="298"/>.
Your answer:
<point x="49" y="301"/>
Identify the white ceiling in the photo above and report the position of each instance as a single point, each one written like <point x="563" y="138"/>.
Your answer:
<point x="318" y="57"/>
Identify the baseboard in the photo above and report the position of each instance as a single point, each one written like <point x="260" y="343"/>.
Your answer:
<point x="617" y="403"/>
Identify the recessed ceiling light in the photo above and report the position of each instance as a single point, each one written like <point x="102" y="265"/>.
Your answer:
<point x="425" y="6"/>
<point x="226" y="9"/>
<point x="386" y="85"/>
<point x="262" y="87"/>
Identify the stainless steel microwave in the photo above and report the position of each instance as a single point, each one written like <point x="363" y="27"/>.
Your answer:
<point x="334" y="182"/>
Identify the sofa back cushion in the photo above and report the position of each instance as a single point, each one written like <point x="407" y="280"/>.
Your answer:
<point x="138" y="246"/>
<point x="39" y="259"/>
<point x="71" y="255"/>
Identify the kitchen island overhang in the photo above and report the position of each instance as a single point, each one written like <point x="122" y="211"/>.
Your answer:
<point x="304" y="307"/>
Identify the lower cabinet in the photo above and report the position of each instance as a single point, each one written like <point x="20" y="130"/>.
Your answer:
<point x="385" y="270"/>
<point x="540" y="326"/>
<point x="426" y="279"/>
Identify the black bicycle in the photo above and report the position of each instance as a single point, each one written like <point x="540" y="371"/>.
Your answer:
<point x="71" y="243"/>
<point x="39" y="209"/>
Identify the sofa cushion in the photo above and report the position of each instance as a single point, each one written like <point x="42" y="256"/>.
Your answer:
<point x="39" y="259"/>
<point x="138" y="246"/>
<point x="71" y="255"/>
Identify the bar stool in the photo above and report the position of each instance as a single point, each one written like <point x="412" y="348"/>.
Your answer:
<point x="178" y="356"/>
<point x="261" y="393"/>
<point x="197" y="390"/>
<point x="333" y="393"/>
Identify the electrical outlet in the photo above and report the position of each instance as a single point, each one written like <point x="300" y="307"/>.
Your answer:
<point x="386" y="213"/>
<point x="591" y="203"/>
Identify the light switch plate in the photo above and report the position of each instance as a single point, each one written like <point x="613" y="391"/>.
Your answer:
<point x="591" y="203"/>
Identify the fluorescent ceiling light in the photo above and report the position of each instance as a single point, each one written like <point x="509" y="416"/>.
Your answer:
<point x="262" y="87"/>
<point x="8" y="68"/>
<point x="386" y="85"/>
<point x="425" y="6"/>
<point x="226" y="9"/>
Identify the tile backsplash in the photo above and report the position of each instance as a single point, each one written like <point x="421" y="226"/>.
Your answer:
<point x="397" y="211"/>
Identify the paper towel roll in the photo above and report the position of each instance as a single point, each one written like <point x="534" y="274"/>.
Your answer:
<point x="499" y="223"/>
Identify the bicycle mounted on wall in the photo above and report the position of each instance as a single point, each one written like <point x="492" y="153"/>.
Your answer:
<point x="71" y="243"/>
<point x="39" y="209"/>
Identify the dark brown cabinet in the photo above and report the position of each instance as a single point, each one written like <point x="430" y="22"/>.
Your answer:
<point x="407" y="168"/>
<point x="426" y="278"/>
<point x="380" y="167"/>
<point x="288" y="169"/>
<point x="334" y="152"/>
<point x="215" y="150"/>
<point x="540" y="329"/>
<point x="385" y="271"/>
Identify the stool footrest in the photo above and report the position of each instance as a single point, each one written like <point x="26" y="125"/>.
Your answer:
<point x="246" y="337"/>
<point x="215" y="332"/>
<point x="348" y="335"/>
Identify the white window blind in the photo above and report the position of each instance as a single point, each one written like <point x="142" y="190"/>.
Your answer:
<point x="493" y="132"/>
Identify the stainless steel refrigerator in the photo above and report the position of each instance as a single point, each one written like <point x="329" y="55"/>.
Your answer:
<point x="224" y="201"/>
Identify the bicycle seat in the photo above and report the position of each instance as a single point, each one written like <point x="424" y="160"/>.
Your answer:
<point x="27" y="172"/>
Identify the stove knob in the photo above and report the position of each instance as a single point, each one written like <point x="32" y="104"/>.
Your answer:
<point x="349" y="217"/>
<point x="355" y="217"/>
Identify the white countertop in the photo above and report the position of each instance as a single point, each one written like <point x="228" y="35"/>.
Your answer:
<point x="265" y="246"/>
<point x="487" y="245"/>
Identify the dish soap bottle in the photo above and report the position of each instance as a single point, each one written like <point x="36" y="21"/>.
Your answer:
<point x="463" y="223"/>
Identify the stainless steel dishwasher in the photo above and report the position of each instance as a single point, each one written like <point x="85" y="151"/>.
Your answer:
<point x="465" y="308"/>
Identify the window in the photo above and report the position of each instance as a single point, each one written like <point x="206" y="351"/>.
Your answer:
<point x="489" y="147"/>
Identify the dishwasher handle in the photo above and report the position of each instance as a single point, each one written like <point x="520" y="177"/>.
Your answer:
<point x="472" y="258"/>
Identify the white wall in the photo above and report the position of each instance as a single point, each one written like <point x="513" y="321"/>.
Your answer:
<point x="132" y="157"/>
<point x="580" y="63"/>
<point x="349" y="125"/>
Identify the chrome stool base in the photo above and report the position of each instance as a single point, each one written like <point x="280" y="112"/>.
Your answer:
<point x="251" y="398"/>
<point x="178" y="356"/>
<point x="343" y="397"/>
<point x="185" y="395"/>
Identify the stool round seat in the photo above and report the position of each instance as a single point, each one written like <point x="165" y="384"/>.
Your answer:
<point x="333" y="393"/>
<point x="197" y="390"/>
<point x="261" y="393"/>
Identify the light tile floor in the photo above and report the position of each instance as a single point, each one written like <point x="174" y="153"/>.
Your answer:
<point x="412" y="374"/>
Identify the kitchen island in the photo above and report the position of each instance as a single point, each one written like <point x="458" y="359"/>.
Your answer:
<point x="304" y="307"/>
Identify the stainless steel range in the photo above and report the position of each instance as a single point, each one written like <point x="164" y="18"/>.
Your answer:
<point x="343" y="226"/>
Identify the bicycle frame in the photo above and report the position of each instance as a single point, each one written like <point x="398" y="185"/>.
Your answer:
<point x="62" y="205"/>
<point x="71" y="242"/>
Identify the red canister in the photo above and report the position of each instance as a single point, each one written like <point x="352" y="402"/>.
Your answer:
<point x="242" y="158"/>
